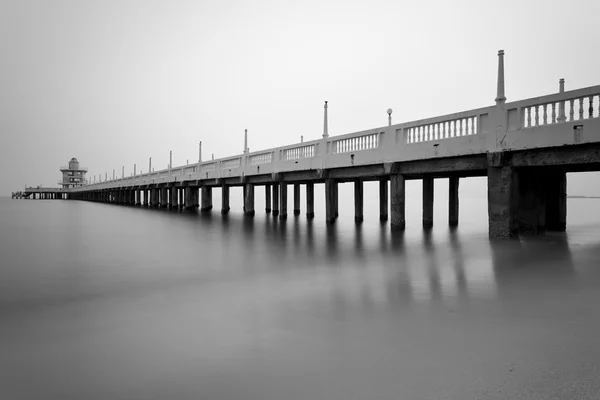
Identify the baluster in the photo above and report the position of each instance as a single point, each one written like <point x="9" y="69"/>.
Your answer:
<point x="528" y="111"/>
<point x="591" y="109"/>
<point x="545" y="120"/>
<point x="553" y="113"/>
<point x="581" y="108"/>
<point x="537" y="115"/>
<point x="437" y="131"/>
<point x="443" y="129"/>
<point x="572" y="110"/>
<point x="460" y="127"/>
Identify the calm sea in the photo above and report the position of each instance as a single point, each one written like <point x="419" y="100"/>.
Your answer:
<point x="106" y="302"/>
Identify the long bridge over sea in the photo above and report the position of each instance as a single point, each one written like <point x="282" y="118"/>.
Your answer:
<point x="524" y="148"/>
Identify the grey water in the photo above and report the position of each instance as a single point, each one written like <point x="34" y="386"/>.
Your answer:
<point x="101" y="301"/>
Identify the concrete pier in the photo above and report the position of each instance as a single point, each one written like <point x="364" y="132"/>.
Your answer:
<point x="174" y="203"/>
<point x="249" y="199"/>
<point x="267" y="198"/>
<point x="453" y="200"/>
<point x="224" y="199"/>
<point x="383" y="200"/>
<point x="163" y="197"/>
<point x="276" y="199"/>
<point x="207" y="204"/>
<point x="398" y="201"/>
<point x="154" y="201"/>
<point x="523" y="147"/>
<point x="503" y="205"/>
<point x="296" y="199"/>
<point x="556" y="202"/>
<point x="358" y="200"/>
<point x="331" y="200"/>
<point x="427" y="202"/>
<point x="283" y="200"/>
<point x="310" y="200"/>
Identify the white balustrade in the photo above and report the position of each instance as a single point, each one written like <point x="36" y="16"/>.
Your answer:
<point x="357" y="143"/>
<point x="295" y="153"/>
<point x="263" y="158"/>
<point x="441" y="130"/>
<point x="570" y="109"/>
<point x="209" y="166"/>
<point x="232" y="163"/>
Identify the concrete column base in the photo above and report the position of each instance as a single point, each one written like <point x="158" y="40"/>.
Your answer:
<point x="398" y="194"/>
<point x="282" y="200"/>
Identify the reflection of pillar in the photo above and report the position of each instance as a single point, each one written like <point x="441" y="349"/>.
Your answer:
<point x="224" y="199"/>
<point x="249" y="199"/>
<point x="358" y="200"/>
<point x="296" y="199"/>
<point x="453" y="201"/>
<point x="427" y="202"/>
<point x="310" y="200"/>
<point x="283" y="200"/>
<point x="383" y="200"/>
<point x="267" y="198"/>
<point x="275" y="199"/>
<point x="331" y="200"/>
<point x="398" y="194"/>
<point x="206" y="199"/>
<point x="503" y="200"/>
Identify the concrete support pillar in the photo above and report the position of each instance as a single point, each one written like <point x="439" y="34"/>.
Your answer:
<point x="207" y="204"/>
<point x="310" y="200"/>
<point x="427" y="202"/>
<point x="556" y="202"/>
<point x="154" y="201"/>
<point x="194" y="197"/>
<point x="146" y="198"/>
<point x="181" y="193"/>
<point x="383" y="200"/>
<point x="164" y="197"/>
<point x="398" y="201"/>
<point x="453" y="201"/>
<point x="275" y="199"/>
<point x="296" y="199"/>
<point x="249" y="199"/>
<point x="267" y="198"/>
<point x="283" y="200"/>
<point x="174" y="198"/>
<point x="534" y="186"/>
<point x="503" y="202"/>
<point x="358" y="200"/>
<point x="188" y="197"/>
<point x="224" y="199"/>
<point x="331" y="200"/>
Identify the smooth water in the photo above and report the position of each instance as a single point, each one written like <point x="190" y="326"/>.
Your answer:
<point x="103" y="302"/>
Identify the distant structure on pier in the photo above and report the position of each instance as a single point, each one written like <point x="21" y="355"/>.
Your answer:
<point x="73" y="175"/>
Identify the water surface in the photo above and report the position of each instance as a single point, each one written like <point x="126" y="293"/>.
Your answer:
<point x="104" y="302"/>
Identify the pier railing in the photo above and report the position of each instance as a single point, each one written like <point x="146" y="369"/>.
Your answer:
<point x="467" y="132"/>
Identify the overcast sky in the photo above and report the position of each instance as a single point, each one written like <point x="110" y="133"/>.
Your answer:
<point x="115" y="82"/>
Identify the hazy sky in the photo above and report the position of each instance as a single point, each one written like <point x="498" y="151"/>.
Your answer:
<point x="115" y="82"/>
